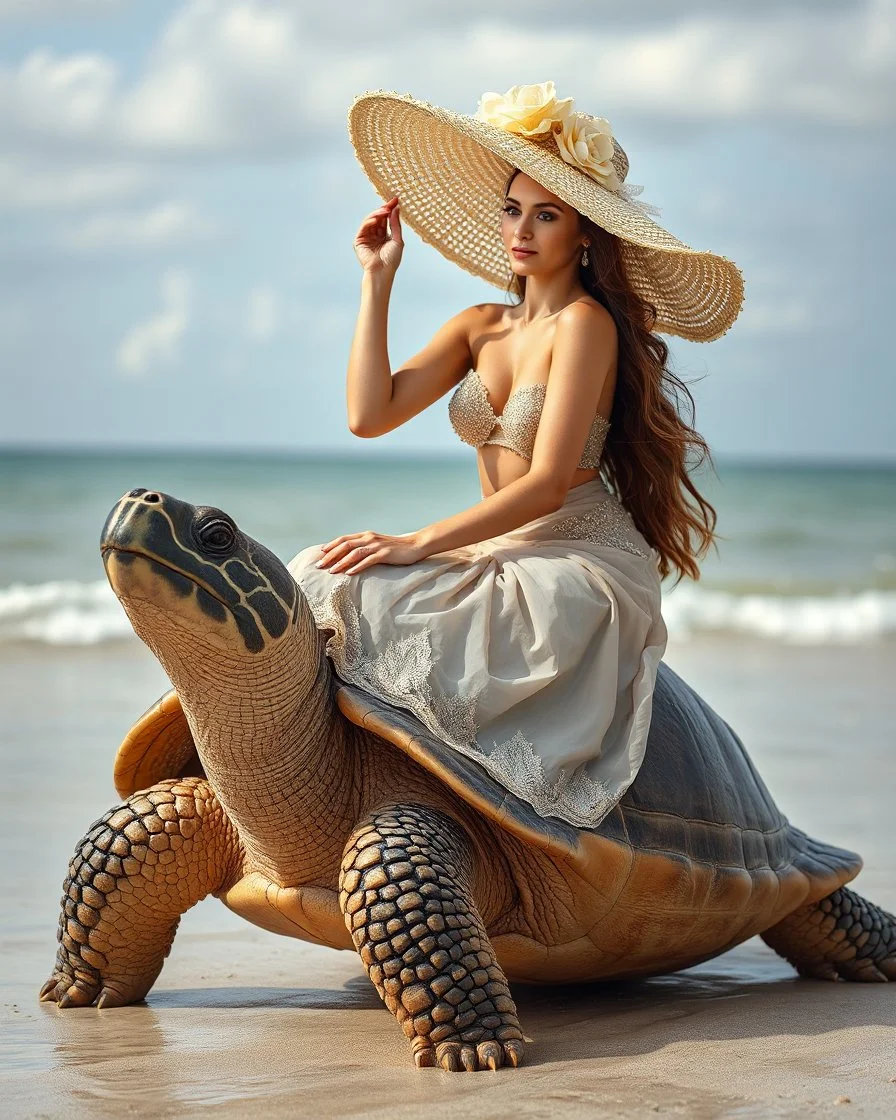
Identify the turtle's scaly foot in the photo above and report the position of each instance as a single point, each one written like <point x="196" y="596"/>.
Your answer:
<point x="136" y="871"/>
<point x="842" y="937"/>
<point x="405" y="893"/>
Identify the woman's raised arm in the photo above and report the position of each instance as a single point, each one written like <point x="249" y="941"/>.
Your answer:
<point x="377" y="399"/>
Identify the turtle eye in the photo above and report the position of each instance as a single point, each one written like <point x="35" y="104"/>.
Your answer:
<point x="216" y="535"/>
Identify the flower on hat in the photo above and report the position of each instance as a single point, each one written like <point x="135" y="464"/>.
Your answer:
<point x="587" y="143"/>
<point x="533" y="110"/>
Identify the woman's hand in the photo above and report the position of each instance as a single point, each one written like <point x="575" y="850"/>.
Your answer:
<point x="378" y="244"/>
<point x="353" y="552"/>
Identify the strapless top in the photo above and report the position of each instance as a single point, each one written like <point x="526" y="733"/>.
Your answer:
<point x="474" y="420"/>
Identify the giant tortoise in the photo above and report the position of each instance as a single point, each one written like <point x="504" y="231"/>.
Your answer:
<point x="315" y="810"/>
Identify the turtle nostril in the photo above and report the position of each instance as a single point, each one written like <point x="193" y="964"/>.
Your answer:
<point x="136" y="493"/>
<point x="151" y="497"/>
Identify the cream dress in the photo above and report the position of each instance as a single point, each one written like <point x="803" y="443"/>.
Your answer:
<point x="534" y="652"/>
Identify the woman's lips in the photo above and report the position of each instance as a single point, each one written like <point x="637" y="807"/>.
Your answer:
<point x="523" y="252"/>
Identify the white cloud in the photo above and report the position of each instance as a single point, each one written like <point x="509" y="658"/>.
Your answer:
<point x="169" y="223"/>
<point x="328" y="20"/>
<point x="236" y="76"/>
<point x="263" y="314"/>
<point x="156" y="341"/>
<point x="49" y="97"/>
<point x="26" y="185"/>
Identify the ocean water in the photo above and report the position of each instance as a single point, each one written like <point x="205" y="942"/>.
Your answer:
<point x="789" y="636"/>
<point x="807" y="553"/>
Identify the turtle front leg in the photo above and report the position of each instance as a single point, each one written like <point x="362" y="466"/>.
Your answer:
<point x="139" y="867"/>
<point x="843" y="935"/>
<point x="405" y="892"/>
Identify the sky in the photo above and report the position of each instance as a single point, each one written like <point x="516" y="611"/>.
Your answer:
<point x="179" y="197"/>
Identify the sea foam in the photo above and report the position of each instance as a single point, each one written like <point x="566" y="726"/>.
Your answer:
<point x="62" y="613"/>
<point x="834" y="619"/>
<point x="69" y="613"/>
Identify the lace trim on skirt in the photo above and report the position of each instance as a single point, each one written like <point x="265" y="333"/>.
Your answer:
<point x="401" y="672"/>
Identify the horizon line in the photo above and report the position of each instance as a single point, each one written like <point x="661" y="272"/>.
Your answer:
<point x="321" y="453"/>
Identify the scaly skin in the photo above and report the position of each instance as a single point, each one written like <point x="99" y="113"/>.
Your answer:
<point x="288" y="779"/>
<point x="141" y="866"/>
<point x="405" y="892"/>
<point x="843" y="936"/>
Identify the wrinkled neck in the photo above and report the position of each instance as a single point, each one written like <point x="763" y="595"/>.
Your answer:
<point x="275" y="750"/>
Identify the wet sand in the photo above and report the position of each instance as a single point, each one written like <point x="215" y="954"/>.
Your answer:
<point x="243" y="1023"/>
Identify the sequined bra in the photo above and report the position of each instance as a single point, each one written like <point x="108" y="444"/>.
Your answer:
<point x="474" y="420"/>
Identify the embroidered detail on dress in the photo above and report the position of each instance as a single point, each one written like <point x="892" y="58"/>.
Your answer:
<point x="575" y="797"/>
<point x="609" y="523"/>
<point x="400" y="673"/>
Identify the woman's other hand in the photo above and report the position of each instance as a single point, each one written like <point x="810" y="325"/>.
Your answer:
<point x="355" y="551"/>
<point x="378" y="244"/>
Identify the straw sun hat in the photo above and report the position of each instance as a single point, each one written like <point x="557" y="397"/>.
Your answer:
<point x="449" y="170"/>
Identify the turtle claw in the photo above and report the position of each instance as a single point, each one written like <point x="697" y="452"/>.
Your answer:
<point x="865" y="972"/>
<point x="48" y="991"/>
<point x="888" y="967"/>
<point x="490" y="1055"/>
<point x="457" y="1057"/>
<point x="110" y="998"/>
<point x="513" y="1052"/>
<point x="425" y="1057"/>
<point x="448" y="1055"/>
<point x="67" y="990"/>
<point x="465" y="1057"/>
<point x="818" y="971"/>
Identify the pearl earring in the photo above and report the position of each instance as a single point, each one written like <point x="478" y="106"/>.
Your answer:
<point x="585" y="257"/>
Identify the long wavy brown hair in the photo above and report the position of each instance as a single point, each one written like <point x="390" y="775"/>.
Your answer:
<point x="650" y="450"/>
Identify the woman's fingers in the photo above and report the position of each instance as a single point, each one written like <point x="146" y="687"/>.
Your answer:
<point x="367" y="562"/>
<point x="375" y="232"/>
<point x="353" y="556"/>
<point x="336" y="550"/>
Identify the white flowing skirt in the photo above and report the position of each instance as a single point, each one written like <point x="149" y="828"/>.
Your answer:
<point x="534" y="652"/>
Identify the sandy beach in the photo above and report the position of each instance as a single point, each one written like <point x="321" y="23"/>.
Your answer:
<point x="244" y="1023"/>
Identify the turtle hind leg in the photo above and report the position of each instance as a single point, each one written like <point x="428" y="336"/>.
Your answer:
<point x="405" y="892"/>
<point x="842" y="936"/>
<point x="136" y="871"/>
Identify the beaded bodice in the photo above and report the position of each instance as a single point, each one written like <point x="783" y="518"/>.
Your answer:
<point x="476" y="423"/>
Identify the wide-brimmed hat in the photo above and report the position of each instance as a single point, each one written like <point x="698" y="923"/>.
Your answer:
<point x="449" y="170"/>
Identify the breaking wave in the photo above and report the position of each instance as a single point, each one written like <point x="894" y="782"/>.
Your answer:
<point x="70" y="613"/>
<point x="846" y="617"/>
<point x="62" y="613"/>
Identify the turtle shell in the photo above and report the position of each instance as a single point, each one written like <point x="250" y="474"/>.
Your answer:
<point x="697" y="834"/>
<point x="158" y="746"/>
<point x="697" y="796"/>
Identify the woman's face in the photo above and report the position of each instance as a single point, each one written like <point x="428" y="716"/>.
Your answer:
<point x="537" y="220"/>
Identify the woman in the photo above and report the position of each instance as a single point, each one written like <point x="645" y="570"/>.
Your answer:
<point x="526" y="631"/>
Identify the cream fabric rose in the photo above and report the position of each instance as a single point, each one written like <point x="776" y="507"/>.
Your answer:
<point x="587" y="143"/>
<point x="533" y="110"/>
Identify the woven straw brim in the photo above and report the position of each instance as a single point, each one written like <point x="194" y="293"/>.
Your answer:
<point x="449" y="170"/>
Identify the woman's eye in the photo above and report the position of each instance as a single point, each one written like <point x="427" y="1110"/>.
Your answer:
<point x="541" y="214"/>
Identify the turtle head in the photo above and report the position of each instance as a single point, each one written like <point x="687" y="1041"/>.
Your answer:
<point x="199" y="592"/>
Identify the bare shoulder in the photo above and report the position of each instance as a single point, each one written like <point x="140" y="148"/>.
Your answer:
<point x="481" y="315"/>
<point x="479" y="319"/>
<point x="588" y="316"/>
<point x="487" y="311"/>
